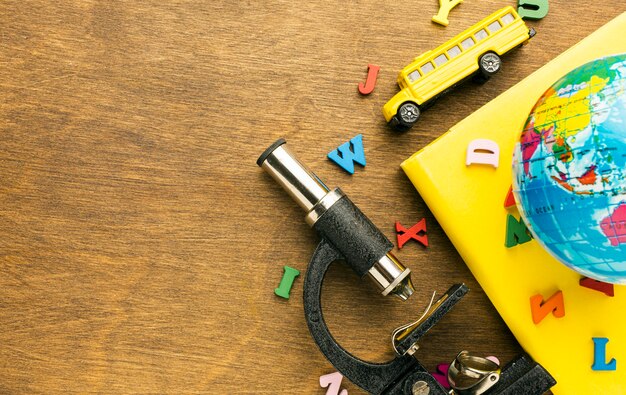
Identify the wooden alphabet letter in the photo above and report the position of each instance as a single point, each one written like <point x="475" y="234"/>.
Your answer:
<point x="417" y="232"/>
<point x="605" y="288"/>
<point x="483" y="151"/>
<point x="286" y="282"/>
<point x="347" y="153"/>
<point x="510" y="199"/>
<point x="445" y="6"/>
<point x="532" y="9"/>
<point x="370" y="82"/>
<point x="516" y="232"/>
<point x="333" y="382"/>
<point x="540" y="309"/>
<point x="599" y="355"/>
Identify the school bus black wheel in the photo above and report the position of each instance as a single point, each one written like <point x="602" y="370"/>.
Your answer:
<point x="396" y="125"/>
<point x="408" y="113"/>
<point x="489" y="63"/>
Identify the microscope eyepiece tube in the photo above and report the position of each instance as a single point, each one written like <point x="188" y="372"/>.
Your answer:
<point x="301" y="184"/>
<point x="338" y="220"/>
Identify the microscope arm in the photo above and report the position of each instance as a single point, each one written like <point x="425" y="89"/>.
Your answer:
<point x="384" y="378"/>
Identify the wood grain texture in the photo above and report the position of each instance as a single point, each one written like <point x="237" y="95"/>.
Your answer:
<point x="140" y="244"/>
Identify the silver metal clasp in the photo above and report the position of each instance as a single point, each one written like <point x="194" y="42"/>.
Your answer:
<point x="471" y="375"/>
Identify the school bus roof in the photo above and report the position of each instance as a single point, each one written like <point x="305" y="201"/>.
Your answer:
<point x="428" y="54"/>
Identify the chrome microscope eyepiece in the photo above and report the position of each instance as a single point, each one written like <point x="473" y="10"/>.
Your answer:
<point x="337" y="219"/>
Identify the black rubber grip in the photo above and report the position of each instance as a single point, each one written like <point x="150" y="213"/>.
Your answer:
<point x="353" y="234"/>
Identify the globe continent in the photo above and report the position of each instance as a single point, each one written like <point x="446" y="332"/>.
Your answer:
<point x="569" y="169"/>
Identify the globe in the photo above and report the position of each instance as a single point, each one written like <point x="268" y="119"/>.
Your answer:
<point x="569" y="170"/>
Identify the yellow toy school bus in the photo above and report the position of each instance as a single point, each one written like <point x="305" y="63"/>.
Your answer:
<point x="476" y="51"/>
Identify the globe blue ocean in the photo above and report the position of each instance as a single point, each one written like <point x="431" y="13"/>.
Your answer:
<point x="569" y="170"/>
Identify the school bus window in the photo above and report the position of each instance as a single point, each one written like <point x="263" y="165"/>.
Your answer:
<point x="414" y="76"/>
<point x="481" y="34"/>
<point x="427" y="68"/>
<point x="508" y="18"/>
<point x="494" y="27"/>
<point x="467" y="43"/>
<point x="441" y="59"/>
<point x="454" y="51"/>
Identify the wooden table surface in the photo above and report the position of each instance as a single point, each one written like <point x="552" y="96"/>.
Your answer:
<point x="140" y="244"/>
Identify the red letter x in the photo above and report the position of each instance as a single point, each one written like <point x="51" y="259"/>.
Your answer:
<point x="417" y="232"/>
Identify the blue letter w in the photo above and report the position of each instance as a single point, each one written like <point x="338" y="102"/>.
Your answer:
<point x="345" y="157"/>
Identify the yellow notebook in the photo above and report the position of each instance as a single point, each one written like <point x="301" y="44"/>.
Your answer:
<point x="468" y="202"/>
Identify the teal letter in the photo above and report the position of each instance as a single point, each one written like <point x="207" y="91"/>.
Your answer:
<point x="599" y="355"/>
<point x="345" y="157"/>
